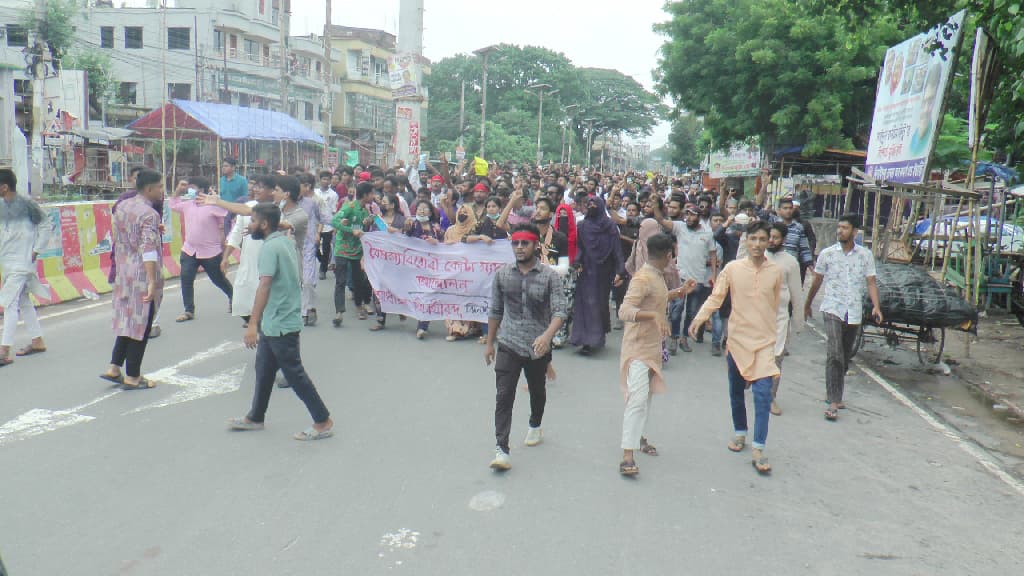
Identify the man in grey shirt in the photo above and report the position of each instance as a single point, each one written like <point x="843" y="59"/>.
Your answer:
<point x="528" y="307"/>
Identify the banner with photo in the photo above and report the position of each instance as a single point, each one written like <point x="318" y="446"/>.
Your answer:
<point x="909" y="101"/>
<point x="433" y="281"/>
<point x="739" y="160"/>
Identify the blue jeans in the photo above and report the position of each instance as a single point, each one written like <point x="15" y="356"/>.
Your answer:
<point x="717" y="328"/>
<point x="762" y="391"/>
<point x="684" y="310"/>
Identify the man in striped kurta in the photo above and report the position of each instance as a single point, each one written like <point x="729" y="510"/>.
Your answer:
<point x="138" y="287"/>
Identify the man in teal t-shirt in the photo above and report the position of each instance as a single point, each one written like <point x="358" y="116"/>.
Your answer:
<point x="275" y="325"/>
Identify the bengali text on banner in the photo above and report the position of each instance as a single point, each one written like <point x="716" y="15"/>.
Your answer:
<point x="433" y="282"/>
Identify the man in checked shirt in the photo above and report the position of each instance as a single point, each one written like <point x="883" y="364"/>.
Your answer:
<point x="528" y="307"/>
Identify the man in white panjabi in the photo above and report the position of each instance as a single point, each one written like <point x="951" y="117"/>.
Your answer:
<point x="791" y="293"/>
<point x="24" y="230"/>
<point x="247" y="279"/>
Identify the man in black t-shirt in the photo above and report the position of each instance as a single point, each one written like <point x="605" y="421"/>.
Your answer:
<point x="553" y="244"/>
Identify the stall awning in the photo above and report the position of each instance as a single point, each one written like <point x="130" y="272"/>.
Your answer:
<point x="209" y="120"/>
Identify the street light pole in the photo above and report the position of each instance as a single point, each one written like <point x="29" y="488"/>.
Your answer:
<point x="565" y="125"/>
<point x="590" y="137"/>
<point x="484" y="53"/>
<point x="542" y="90"/>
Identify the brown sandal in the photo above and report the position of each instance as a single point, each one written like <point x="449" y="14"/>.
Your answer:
<point x="737" y="443"/>
<point x="30" y="350"/>
<point x="760" y="464"/>
<point x="628" y="468"/>
<point x="185" y="317"/>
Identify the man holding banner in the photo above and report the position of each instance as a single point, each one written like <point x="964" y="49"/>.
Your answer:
<point x="527" y="308"/>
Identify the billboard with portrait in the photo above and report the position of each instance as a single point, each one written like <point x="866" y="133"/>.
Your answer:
<point x="909" y="101"/>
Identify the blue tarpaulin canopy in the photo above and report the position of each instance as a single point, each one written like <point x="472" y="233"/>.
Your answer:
<point x="210" y="120"/>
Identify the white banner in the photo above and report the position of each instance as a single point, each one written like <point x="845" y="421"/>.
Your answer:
<point x="433" y="282"/>
<point x="739" y="160"/>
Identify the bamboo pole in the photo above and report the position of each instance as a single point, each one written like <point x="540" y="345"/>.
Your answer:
<point x="874" y="224"/>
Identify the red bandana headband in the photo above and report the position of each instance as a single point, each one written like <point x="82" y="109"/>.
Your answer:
<point x="524" y="235"/>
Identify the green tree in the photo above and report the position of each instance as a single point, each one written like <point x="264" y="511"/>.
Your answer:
<point x="619" y="103"/>
<point x="101" y="82"/>
<point x="55" y="27"/>
<point x="790" y="71"/>
<point x="686" y="144"/>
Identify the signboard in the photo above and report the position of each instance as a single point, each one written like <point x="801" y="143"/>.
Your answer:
<point x="908" y="103"/>
<point x="740" y="160"/>
<point x="460" y="153"/>
<point x="414" y="139"/>
<point x="404" y="74"/>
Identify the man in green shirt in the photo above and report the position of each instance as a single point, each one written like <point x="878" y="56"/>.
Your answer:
<point x="278" y="314"/>
<point x="349" y="224"/>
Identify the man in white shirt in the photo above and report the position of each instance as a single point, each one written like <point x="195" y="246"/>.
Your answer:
<point x="792" y="293"/>
<point x="845" y="268"/>
<point x="697" y="260"/>
<point x="329" y="200"/>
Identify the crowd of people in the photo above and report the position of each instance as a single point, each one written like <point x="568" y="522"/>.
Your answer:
<point x="662" y="259"/>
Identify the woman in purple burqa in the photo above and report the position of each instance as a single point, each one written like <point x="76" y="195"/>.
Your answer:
<point x="600" y="263"/>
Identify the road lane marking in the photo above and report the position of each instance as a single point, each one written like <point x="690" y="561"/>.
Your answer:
<point x="41" y="420"/>
<point x="966" y="445"/>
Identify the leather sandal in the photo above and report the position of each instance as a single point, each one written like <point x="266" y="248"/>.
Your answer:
<point x="737" y="443"/>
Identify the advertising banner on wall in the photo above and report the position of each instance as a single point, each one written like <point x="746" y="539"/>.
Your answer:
<point x="403" y="72"/>
<point x="739" y="160"/>
<point x="908" y="103"/>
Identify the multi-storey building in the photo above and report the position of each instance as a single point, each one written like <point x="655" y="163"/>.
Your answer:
<point x="364" y="111"/>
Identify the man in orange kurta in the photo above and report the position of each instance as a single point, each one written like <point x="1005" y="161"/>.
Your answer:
<point x="643" y="312"/>
<point x="754" y="284"/>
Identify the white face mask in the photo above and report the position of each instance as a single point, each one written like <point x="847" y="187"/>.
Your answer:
<point x="192" y="192"/>
<point x="423" y="219"/>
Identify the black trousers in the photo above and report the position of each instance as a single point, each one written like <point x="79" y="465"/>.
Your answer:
<point x="129" y="352"/>
<point x="275" y="353"/>
<point x="362" y="293"/>
<point x="507" y="367"/>
<point x="190" y="267"/>
<point x="326" y="250"/>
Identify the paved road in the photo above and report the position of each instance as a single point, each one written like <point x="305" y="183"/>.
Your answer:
<point x="100" y="483"/>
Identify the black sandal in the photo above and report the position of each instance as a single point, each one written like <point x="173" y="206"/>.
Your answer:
<point x="628" y="468"/>
<point x="648" y="448"/>
<point x="831" y="415"/>
<point x="144" y="384"/>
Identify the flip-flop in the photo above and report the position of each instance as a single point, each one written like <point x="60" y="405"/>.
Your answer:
<point x="737" y="444"/>
<point x="831" y="415"/>
<point x="29" y="350"/>
<point x="241" y="424"/>
<point x="144" y="384"/>
<point x="185" y="317"/>
<point x="117" y="380"/>
<point x="311" y="433"/>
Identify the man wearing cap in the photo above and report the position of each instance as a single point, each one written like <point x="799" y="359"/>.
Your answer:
<point x="696" y="260"/>
<point x="480" y="194"/>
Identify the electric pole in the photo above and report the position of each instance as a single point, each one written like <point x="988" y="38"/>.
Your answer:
<point x="484" y="53"/>
<point x="409" y="98"/>
<point x="542" y="90"/>
<point x="328" y="78"/>
<point x="38" y="96"/>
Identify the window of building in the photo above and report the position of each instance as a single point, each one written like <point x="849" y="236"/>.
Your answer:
<point x="106" y="36"/>
<point x="244" y="100"/>
<point x="252" y="50"/>
<point x="133" y="37"/>
<point x="179" y="38"/>
<point x="263" y="7"/>
<point x="127" y="92"/>
<point x="179" y="91"/>
<point x="353" y="63"/>
<point x="308" y="110"/>
<point x="380" y="71"/>
<point x="17" y="35"/>
<point x="218" y="40"/>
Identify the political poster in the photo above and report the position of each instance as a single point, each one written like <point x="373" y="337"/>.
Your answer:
<point x="739" y="160"/>
<point x="908" y="103"/>
<point x="403" y="73"/>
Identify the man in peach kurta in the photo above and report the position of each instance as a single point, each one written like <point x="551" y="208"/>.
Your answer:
<point x="754" y="284"/>
<point x="643" y="312"/>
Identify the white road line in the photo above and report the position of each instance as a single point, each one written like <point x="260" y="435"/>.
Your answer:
<point x="967" y="446"/>
<point x="41" y="420"/>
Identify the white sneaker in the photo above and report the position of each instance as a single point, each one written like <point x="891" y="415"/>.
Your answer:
<point x="501" y="460"/>
<point x="421" y="334"/>
<point x="534" y="436"/>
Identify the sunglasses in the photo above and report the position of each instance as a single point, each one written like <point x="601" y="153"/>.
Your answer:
<point x="523" y="243"/>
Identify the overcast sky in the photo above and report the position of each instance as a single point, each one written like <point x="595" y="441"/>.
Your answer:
<point x="591" y="33"/>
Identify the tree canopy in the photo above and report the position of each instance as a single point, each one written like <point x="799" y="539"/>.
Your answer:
<point x="804" y="72"/>
<point x="617" y="103"/>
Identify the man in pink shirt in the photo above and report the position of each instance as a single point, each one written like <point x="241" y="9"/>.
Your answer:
<point x="203" y="245"/>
